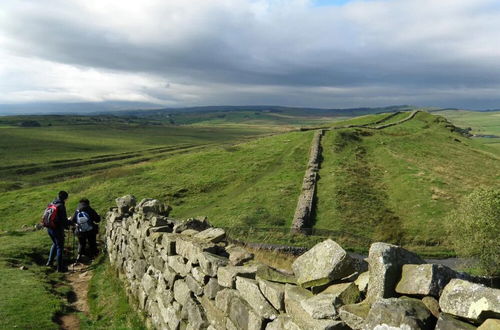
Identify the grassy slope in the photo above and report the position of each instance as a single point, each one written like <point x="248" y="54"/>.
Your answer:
<point x="484" y="123"/>
<point x="411" y="174"/>
<point x="253" y="182"/>
<point x="256" y="183"/>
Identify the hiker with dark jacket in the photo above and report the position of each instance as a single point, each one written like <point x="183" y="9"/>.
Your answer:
<point x="85" y="220"/>
<point x="55" y="228"/>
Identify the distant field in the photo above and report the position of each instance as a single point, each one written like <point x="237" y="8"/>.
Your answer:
<point x="482" y="123"/>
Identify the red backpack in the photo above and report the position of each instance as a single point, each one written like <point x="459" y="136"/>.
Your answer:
<point x="49" y="216"/>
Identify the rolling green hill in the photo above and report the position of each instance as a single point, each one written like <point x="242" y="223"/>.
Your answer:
<point x="395" y="184"/>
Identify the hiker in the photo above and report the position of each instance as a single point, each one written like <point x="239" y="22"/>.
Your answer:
<point x="55" y="220"/>
<point x="85" y="220"/>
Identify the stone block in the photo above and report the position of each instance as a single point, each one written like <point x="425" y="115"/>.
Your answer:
<point x="199" y="275"/>
<point x="210" y="263"/>
<point x="470" y="300"/>
<point x="354" y="315"/>
<point x="193" y="285"/>
<point x="212" y="235"/>
<point x="385" y="263"/>
<point x="227" y="275"/>
<point x="294" y="295"/>
<point x="323" y="263"/>
<point x="181" y="291"/>
<point x="448" y="322"/>
<point x="424" y="280"/>
<point x="250" y="291"/>
<point x="179" y="265"/>
<point x="238" y="255"/>
<point x="211" y="288"/>
<point x="274" y="293"/>
<point x="408" y="313"/>
<point x="490" y="324"/>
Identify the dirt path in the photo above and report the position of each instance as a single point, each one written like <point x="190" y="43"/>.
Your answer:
<point x="78" y="278"/>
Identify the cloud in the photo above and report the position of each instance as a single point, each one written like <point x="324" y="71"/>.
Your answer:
<point x="297" y="52"/>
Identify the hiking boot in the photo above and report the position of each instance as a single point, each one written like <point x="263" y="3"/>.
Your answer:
<point x="62" y="269"/>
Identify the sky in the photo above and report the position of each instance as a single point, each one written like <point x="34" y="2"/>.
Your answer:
<point x="323" y="53"/>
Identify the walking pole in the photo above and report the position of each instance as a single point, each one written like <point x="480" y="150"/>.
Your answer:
<point x="73" y="251"/>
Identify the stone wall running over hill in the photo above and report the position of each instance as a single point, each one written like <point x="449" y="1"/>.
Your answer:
<point x="184" y="275"/>
<point x="305" y="204"/>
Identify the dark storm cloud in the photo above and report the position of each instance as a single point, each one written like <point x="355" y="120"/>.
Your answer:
<point x="443" y="52"/>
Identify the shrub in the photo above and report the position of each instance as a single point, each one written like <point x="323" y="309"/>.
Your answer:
<point x="475" y="229"/>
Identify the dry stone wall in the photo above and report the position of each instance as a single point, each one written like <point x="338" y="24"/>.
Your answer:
<point x="185" y="275"/>
<point x="305" y="204"/>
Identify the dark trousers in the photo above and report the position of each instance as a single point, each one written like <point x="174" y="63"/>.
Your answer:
<point x="57" y="248"/>
<point x="89" y="236"/>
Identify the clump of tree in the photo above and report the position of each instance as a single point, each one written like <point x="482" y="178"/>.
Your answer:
<point x="475" y="229"/>
<point x="30" y="123"/>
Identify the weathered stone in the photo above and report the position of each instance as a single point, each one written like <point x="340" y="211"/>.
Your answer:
<point x="243" y="316"/>
<point x="210" y="263"/>
<point x="149" y="282"/>
<point x="214" y="315"/>
<point x="191" y="248"/>
<point x="405" y="313"/>
<point x="323" y="263"/>
<point x="168" y="243"/>
<point x="385" y="262"/>
<point x="195" y="315"/>
<point x="193" y="285"/>
<point x="213" y="235"/>
<point x="211" y="288"/>
<point x="282" y="322"/>
<point x="343" y="293"/>
<point x="320" y="306"/>
<point x="448" y="322"/>
<point x="354" y="315"/>
<point x="159" y="229"/>
<point x="362" y="281"/>
<point x="139" y="268"/>
<point x="469" y="300"/>
<point x="173" y="315"/>
<point x="124" y="203"/>
<point x="178" y="264"/>
<point x="189" y="232"/>
<point x="490" y="324"/>
<point x="274" y="292"/>
<point x="227" y="275"/>
<point x="152" y="206"/>
<point x="160" y="221"/>
<point x="169" y="275"/>
<point x="293" y="297"/>
<point x="432" y="305"/>
<point x="197" y="224"/>
<point x="199" y="275"/>
<point x="249" y="290"/>
<point x="223" y="299"/>
<point x="425" y="280"/>
<point x="238" y="255"/>
<point x="273" y="275"/>
<point x="181" y="291"/>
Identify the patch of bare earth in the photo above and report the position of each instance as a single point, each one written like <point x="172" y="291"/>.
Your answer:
<point x="78" y="278"/>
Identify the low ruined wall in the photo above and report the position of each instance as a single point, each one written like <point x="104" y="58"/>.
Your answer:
<point x="305" y="203"/>
<point x="184" y="275"/>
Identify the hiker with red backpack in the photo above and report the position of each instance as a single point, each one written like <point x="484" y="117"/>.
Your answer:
<point x="85" y="220"/>
<point x="55" y="220"/>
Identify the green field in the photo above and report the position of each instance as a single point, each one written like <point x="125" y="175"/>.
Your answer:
<point x="482" y="123"/>
<point x="396" y="184"/>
